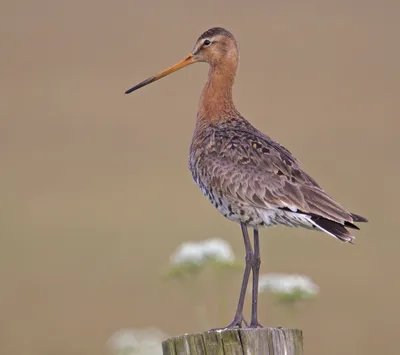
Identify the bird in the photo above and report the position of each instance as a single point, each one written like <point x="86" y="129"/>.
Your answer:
<point x="248" y="177"/>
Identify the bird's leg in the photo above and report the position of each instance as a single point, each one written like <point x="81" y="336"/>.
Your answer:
<point x="237" y="321"/>
<point x="256" y="270"/>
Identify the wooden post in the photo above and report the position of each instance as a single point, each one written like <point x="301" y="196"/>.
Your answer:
<point x="263" y="341"/>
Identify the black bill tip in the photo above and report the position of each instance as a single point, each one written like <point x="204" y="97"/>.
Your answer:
<point x="141" y="84"/>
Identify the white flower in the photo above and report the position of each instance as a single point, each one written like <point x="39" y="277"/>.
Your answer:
<point x="136" y="341"/>
<point x="198" y="253"/>
<point x="288" y="284"/>
<point x="218" y="249"/>
<point x="188" y="253"/>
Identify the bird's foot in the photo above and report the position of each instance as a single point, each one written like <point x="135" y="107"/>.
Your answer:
<point x="255" y="325"/>
<point x="236" y="323"/>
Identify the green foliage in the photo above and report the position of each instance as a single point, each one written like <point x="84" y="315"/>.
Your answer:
<point x="190" y="269"/>
<point x="294" y="297"/>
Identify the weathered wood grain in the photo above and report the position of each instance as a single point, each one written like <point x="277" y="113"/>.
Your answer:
<point x="264" y="341"/>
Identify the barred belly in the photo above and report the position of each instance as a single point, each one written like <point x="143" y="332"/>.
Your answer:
<point x="255" y="216"/>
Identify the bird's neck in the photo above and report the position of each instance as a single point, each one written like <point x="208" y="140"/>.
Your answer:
<point x="216" y="102"/>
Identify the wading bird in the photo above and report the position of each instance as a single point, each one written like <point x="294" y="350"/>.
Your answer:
<point x="250" y="178"/>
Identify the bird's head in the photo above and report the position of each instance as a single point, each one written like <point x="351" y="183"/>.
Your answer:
<point x="216" y="46"/>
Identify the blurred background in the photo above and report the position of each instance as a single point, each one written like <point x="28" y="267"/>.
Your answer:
<point x="95" y="190"/>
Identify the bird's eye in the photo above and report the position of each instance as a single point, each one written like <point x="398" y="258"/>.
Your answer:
<point x="207" y="42"/>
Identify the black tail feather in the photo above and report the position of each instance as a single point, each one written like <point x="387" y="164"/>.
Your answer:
<point x="357" y="218"/>
<point x="351" y="225"/>
<point x="335" y="229"/>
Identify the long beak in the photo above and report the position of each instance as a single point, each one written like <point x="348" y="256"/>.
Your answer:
<point x="189" y="59"/>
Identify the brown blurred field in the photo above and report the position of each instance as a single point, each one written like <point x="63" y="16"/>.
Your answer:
<point x="95" y="190"/>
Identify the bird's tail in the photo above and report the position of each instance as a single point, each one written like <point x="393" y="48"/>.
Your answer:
<point x="357" y="218"/>
<point x="336" y="229"/>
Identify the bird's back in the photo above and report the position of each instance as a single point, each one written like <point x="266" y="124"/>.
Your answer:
<point x="252" y="179"/>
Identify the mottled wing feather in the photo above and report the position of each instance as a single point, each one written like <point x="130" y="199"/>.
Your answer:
<point x="251" y="168"/>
